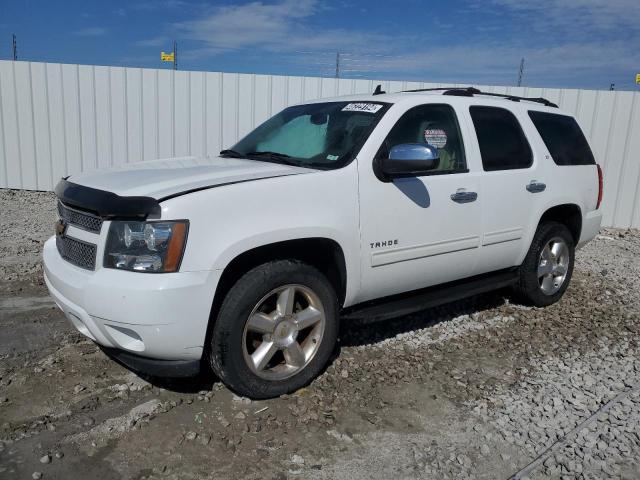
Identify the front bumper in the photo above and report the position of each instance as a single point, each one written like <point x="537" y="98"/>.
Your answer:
<point x="163" y="317"/>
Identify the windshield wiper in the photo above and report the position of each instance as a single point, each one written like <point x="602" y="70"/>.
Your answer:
<point x="269" y="154"/>
<point x="232" y="153"/>
<point x="274" y="157"/>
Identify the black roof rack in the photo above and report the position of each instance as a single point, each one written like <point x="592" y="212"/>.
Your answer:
<point x="470" y="92"/>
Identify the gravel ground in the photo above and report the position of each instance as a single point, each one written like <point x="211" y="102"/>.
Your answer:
<point x="28" y="217"/>
<point x="477" y="389"/>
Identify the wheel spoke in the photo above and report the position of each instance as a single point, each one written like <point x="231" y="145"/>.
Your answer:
<point x="563" y="252"/>
<point x="285" y="301"/>
<point x="546" y="253"/>
<point x="547" y="283"/>
<point x="545" y="268"/>
<point x="559" y="270"/>
<point x="263" y="354"/>
<point x="307" y="317"/>
<point x="261" y="323"/>
<point x="559" y="249"/>
<point x="294" y="355"/>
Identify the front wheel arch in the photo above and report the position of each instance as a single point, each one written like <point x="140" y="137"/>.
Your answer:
<point x="322" y="253"/>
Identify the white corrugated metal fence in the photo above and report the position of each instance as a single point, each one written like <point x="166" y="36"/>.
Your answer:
<point x="58" y="119"/>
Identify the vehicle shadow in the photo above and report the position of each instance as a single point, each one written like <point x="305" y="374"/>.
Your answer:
<point x="203" y="381"/>
<point x="357" y="332"/>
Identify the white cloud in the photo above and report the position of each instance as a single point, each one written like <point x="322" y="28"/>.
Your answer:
<point x="280" y="26"/>
<point x="577" y="15"/>
<point x="576" y="63"/>
<point x="159" y="41"/>
<point x="92" y="32"/>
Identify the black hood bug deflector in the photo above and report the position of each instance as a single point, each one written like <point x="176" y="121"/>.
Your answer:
<point x="107" y="205"/>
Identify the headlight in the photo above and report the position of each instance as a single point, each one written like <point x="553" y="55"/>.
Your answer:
<point x="145" y="246"/>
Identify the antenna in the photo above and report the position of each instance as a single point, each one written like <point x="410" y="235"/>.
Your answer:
<point x="521" y="72"/>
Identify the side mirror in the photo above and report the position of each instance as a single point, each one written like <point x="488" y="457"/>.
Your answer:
<point x="410" y="160"/>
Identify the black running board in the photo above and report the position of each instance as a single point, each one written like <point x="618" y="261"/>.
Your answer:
<point x="418" y="300"/>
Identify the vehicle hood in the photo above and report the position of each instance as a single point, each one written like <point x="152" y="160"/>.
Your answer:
<point x="164" y="178"/>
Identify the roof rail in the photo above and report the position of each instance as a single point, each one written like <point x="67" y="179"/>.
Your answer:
<point x="471" y="91"/>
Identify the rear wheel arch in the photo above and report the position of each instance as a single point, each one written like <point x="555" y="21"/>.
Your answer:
<point x="568" y="214"/>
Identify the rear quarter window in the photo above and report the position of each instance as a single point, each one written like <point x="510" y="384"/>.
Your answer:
<point x="563" y="137"/>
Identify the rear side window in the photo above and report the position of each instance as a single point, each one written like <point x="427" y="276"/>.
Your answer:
<point x="563" y="138"/>
<point x="503" y="145"/>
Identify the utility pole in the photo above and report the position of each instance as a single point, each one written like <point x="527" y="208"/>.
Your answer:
<point x="15" y="47"/>
<point x="337" y="64"/>
<point x="521" y="72"/>
<point x="175" y="55"/>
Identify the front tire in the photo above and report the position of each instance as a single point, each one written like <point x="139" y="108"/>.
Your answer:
<point x="276" y="329"/>
<point x="546" y="271"/>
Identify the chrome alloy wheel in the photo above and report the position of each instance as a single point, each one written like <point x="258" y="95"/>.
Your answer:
<point x="553" y="265"/>
<point x="283" y="332"/>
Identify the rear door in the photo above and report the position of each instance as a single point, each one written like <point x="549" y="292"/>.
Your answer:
<point x="512" y="185"/>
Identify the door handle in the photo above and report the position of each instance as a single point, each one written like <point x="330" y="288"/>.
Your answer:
<point x="462" y="196"/>
<point x="536" y="186"/>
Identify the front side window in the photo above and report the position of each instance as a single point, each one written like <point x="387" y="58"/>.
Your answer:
<point x="563" y="138"/>
<point x="436" y="125"/>
<point x="318" y="135"/>
<point x="503" y="145"/>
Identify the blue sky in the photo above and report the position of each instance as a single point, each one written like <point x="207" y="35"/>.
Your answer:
<point x="566" y="43"/>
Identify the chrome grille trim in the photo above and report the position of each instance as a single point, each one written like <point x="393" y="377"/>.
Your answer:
<point x="77" y="252"/>
<point x="83" y="220"/>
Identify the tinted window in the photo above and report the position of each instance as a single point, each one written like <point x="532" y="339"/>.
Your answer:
<point x="436" y="125"/>
<point x="503" y="145"/>
<point x="563" y="138"/>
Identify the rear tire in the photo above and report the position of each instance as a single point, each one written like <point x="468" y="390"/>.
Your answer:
<point x="276" y="329"/>
<point x="546" y="271"/>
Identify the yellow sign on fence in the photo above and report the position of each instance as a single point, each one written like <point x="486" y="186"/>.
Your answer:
<point x="637" y="78"/>
<point x="167" y="57"/>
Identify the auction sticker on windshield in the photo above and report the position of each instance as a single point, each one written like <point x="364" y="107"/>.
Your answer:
<point x="362" y="107"/>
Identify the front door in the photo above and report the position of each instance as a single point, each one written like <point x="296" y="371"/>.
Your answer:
<point x="420" y="231"/>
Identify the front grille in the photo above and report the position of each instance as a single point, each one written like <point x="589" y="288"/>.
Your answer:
<point x="83" y="220"/>
<point x="81" y="254"/>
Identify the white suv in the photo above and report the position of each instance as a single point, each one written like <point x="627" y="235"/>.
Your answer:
<point x="367" y="205"/>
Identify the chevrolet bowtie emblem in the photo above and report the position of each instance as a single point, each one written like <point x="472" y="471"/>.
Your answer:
<point x="61" y="227"/>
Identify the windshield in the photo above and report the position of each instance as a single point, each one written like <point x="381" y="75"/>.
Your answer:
<point x="317" y="135"/>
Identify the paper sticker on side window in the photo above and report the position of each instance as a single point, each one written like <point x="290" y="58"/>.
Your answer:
<point x="362" y="107"/>
<point x="436" y="137"/>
